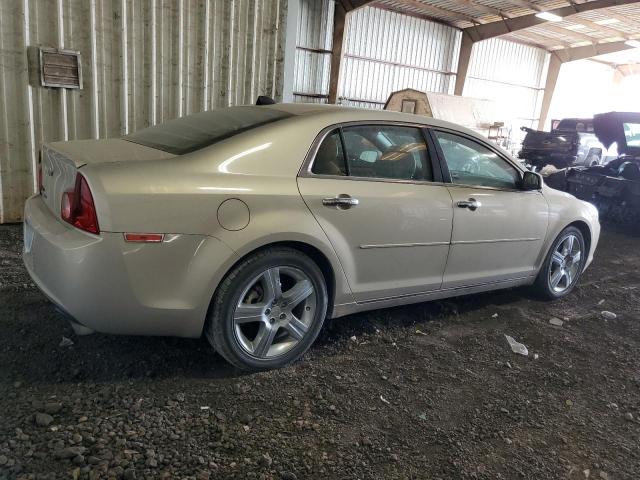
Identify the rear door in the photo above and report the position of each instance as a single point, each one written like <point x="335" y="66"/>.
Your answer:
<point x="375" y="193"/>
<point x="498" y="229"/>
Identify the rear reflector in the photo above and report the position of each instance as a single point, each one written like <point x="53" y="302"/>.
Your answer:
<point x="144" y="237"/>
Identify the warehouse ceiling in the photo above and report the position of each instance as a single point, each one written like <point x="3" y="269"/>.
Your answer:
<point x="579" y="23"/>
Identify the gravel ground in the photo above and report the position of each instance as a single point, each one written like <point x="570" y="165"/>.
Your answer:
<point x="426" y="391"/>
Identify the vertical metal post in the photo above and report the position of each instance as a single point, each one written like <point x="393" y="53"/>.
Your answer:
<point x="339" y="20"/>
<point x="466" y="47"/>
<point x="550" y="85"/>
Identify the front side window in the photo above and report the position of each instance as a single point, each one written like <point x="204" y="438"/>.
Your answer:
<point x="471" y="163"/>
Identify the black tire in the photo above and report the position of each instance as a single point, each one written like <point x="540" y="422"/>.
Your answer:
<point x="220" y="329"/>
<point x="542" y="286"/>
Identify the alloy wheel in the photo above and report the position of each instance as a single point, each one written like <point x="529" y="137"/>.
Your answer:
<point x="565" y="263"/>
<point x="274" y="312"/>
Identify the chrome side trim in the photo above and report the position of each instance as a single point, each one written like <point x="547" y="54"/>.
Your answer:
<point x="402" y="245"/>
<point x="499" y="240"/>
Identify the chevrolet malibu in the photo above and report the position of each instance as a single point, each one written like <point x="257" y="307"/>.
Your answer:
<point x="253" y="224"/>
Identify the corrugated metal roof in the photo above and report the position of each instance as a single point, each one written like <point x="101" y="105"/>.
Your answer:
<point x="594" y="26"/>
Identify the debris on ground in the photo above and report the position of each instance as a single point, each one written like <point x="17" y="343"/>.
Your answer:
<point x="517" y="347"/>
<point x="556" y="321"/>
<point x="134" y="403"/>
<point x="65" y="342"/>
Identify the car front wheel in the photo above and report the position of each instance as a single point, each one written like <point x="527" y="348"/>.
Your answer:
<point x="563" y="265"/>
<point x="268" y="310"/>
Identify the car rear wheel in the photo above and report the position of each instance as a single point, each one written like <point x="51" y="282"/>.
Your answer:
<point x="563" y="265"/>
<point x="268" y="310"/>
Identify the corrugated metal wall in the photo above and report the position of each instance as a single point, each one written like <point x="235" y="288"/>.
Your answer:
<point x="143" y="62"/>
<point x="314" y="42"/>
<point x="511" y="74"/>
<point x="386" y="51"/>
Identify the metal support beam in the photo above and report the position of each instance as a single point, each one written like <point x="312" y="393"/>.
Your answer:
<point x="463" y="63"/>
<point x="339" y="18"/>
<point x="588" y="51"/>
<point x="549" y="87"/>
<point x="350" y="5"/>
<point x="508" y="25"/>
<point x="293" y="7"/>
<point x="629" y="69"/>
<point x="558" y="57"/>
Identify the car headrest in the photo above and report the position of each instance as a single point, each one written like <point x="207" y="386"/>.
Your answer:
<point x="326" y="161"/>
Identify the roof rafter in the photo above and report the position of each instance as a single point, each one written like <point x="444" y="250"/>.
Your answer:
<point x="441" y="11"/>
<point x="588" y="51"/>
<point x="508" y="25"/>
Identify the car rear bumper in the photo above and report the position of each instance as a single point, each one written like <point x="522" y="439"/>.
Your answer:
<point x="108" y="285"/>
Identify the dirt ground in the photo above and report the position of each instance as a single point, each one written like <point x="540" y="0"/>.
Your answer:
<point x="421" y="392"/>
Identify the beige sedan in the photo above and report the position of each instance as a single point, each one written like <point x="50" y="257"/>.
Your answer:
<point x="253" y="224"/>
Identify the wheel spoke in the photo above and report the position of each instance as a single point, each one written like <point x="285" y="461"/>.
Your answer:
<point x="569" y="276"/>
<point x="298" y="293"/>
<point x="272" y="283"/>
<point x="263" y="340"/>
<point x="557" y="257"/>
<point x="556" y="277"/>
<point x="569" y="244"/>
<point x="577" y="258"/>
<point x="248" y="313"/>
<point x="296" y="328"/>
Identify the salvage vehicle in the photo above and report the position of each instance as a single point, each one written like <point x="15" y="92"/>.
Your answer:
<point x="253" y="224"/>
<point x="571" y="142"/>
<point x="613" y="188"/>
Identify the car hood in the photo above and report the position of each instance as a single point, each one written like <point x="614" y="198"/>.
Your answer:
<point x="615" y="127"/>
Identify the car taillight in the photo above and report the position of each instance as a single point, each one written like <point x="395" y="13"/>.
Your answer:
<point x="78" y="208"/>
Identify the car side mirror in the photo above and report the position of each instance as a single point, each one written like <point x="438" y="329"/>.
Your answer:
<point x="531" y="181"/>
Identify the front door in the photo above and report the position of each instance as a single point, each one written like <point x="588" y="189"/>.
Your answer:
<point x="498" y="229"/>
<point x="370" y="188"/>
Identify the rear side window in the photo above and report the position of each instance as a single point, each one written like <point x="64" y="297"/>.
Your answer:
<point x="330" y="156"/>
<point x="193" y="132"/>
<point x="375" y="151"/>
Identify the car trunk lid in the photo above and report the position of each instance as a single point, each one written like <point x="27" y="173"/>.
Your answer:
<point x="61" y="161"/>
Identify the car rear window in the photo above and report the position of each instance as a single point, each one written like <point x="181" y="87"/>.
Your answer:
<point x="193" y="132"/>
<point x="573" y="125"/>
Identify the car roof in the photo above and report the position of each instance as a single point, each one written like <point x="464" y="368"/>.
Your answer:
<point x="339" y="114"/>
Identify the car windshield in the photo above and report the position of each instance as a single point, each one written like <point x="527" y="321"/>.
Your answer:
<point x="193" y="132"/>
<point x="575" y="125"/>
<point x="632" y="134"/>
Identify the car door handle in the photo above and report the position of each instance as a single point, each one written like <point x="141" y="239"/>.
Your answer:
<point x="342" y="201"/>
<point x="472" y="204"/>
